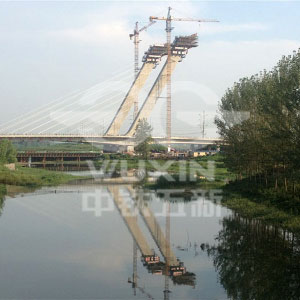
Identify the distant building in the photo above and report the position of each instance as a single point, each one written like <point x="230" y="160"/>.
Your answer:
<point x="197" y="153"/>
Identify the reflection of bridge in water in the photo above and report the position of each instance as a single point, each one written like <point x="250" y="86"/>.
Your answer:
<point x="171" y="267"/>
<point x="131" y="204"/>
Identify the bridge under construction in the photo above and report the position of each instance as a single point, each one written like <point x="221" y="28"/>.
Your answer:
<point x="152" y="58"/>
<point x="36" y="126"/>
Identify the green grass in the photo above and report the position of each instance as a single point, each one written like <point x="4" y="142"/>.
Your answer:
<point x="255" y="200"/>
<point x="272" y="207"/>
<point x="33" y="177"/>
<point x="288" y="201"/>
<point x="261" y="211"/>
<point x="221" y="174"/>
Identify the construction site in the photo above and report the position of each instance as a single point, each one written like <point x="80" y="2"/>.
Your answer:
<point x="121" y="129"/>
<point x="174" y="51"/>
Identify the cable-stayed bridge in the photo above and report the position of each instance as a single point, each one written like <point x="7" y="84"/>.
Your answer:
<point x="102" y="114"/>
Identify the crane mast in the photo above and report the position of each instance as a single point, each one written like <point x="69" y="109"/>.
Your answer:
<point x="136" y="40"/>
<point x="169" y="87"/>
<point x="169" y="28"/>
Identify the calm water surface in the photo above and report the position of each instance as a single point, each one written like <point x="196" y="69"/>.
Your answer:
<point x="73" y="242"/>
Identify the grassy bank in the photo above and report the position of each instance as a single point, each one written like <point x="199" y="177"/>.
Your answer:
<point x="175" y="167"/>
<point x="287" y="200"/>
<point x="33" y="177"/>
<point x="273" y="206"/>
<point x="262" y="211"/>
<point x="247" y="197"/>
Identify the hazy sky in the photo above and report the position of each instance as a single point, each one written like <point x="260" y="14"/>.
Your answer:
<point x="51" y="48"/>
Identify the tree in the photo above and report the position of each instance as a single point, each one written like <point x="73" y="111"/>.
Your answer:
<point x="7" y="152"/>
<point x="260" y="125"/>
<point x="143" y="138"/>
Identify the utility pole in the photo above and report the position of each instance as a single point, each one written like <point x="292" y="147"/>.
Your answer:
<point x="202" y="123"/>
<point x="169" y="28"/>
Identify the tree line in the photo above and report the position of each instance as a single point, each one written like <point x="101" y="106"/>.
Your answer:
<point x="259" y="122"/>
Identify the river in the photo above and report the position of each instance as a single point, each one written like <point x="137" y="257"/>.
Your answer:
<point x="76" y="242"/>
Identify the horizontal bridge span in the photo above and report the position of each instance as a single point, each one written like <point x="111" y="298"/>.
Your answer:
<point x="57" y="154"/>
<point x="111" y="140"/>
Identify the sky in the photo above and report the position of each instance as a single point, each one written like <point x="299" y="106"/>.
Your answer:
<point x="49" y="49"/>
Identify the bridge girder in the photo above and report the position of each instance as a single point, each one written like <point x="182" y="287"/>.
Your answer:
<point x="109" y="140"/>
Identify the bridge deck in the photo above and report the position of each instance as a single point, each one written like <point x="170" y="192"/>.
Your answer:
<point x="111" y="140"/>
<point x="58" y="154"/>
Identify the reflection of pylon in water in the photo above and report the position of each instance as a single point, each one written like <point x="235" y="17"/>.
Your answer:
<point x="134" y="268"/>
<point x="167" y="270"/>
<point x="172" y="267"/>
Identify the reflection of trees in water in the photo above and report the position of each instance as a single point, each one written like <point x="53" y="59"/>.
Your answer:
<point x="2" y="194"/>
<point x="255" y="261"/>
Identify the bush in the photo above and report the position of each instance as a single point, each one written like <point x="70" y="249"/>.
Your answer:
<point x="163" y="182"/>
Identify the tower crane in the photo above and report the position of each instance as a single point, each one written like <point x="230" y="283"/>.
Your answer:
<point x="169" y="28"/>
<point x="136" y="40"/>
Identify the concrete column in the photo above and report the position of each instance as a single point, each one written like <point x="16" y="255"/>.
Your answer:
<point x="154" y="93"/>
<point x="129" y="100"/>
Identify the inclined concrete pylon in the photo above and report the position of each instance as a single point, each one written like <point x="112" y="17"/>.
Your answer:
<point x="179" y="50"/>
<point x="151" y="59"/>
<point x="153" y="95"/>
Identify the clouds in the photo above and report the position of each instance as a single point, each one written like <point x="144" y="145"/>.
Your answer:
<point x="118" y="29"/>
<point x="56" y="49"/>
<point x="209" y="70"/>
<point x="112" y="31"/>
<point x="218" y="28"/>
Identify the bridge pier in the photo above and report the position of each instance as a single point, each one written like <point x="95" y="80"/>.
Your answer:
<point x="29" y="162"/>
<point x="130" y="148"/>
<point x="44" y="161"/>
<point x="111" y="148"/>
<point x="62" y="162"/>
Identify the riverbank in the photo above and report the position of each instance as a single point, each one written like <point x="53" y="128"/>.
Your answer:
<point x="261" y="211"/>
<point x="273" y="206"/>
<point x="248" y="198"/>
<point x="243" y="196"/>
<point x="195" y="171"/>
<point x="33" y="177"/>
